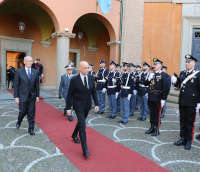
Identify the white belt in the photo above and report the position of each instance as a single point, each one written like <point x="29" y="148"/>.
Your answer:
<point x="125" y="87"/>
<point x="141" y="85"/>
<point x="101" y="80"/>
<point x="114" y="86"/>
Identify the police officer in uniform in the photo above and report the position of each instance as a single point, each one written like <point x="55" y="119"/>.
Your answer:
<point x="163" y="110"/>
<point x="118" y="72"/>
<point x="143" y="92"/>
<point x="127" y="85"/>
<point x="134" y="93"/>
<point x="91" y="70"/>
<point x="157" y="95"/>
<point x="112" y="84"/>
<point x="136" y="76"/>
<point x="101" y="86"/>
<point x="189" y="98"/>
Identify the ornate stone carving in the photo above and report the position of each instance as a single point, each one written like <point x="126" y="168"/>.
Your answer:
<point x="63" y="34"/>
<point x="117" y="42"/>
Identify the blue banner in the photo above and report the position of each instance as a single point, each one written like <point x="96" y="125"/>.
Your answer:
<point x="105" y="5"/>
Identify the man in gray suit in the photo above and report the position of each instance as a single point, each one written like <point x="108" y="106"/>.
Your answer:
<point x="26" y="93"/>
<point x="64" y="86"/>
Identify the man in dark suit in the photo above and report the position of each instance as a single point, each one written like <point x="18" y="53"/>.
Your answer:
<point x="26" y="93"/>
<point x="39" y="67"/>
<point x="81" y="89"/>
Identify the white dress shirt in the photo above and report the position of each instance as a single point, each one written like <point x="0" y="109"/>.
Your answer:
<point x="82" y="78"/>
<point x="27" y="70"/>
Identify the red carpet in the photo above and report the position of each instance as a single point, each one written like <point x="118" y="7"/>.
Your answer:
<point x="106" y="155"/>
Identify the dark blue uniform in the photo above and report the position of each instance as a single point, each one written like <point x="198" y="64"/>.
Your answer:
<point x="165" y="106"/>
<point x="101" y="83"/>
<point x="158" y="89"/>
<point x="112" y="84"/>
<point x="188" y="98"/>
<point x="127" y="85"/>
<point x="143" y="95"/>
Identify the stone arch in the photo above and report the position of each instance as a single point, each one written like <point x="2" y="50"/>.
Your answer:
<point x="49" y="11"/>
<point x="39" y="12"/>
<point x="103" y="20"/>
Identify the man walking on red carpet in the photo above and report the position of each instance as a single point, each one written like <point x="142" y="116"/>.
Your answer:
<point x="26" y="93"/>
<point x="81" y="89"/>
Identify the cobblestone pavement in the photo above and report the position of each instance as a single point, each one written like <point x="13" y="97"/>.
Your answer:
<point x="21" y="152"/>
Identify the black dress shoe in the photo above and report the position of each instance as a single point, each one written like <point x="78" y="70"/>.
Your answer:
<point x="143" y="119"/>
<point x="70" y="118"/>
<point x="150" y="130"/>
<point x="86" y="154"/>
<point x="31" y="132"/>
<point x="188" y="145"/>
<point x="113" y="117"/>
<point x="124" y="122"/>
<point x="156" y="132"/>
<point x="17" y="125"/>
<point x="139" y="118"/>
<point x="76" y="140"/>
<point x="180" y="142"/>
<point x="198" y="137"/>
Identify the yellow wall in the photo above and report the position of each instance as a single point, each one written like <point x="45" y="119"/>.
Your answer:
<point x="162" y="33"/>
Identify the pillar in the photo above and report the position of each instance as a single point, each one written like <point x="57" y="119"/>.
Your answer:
<point x="63" y="45"/>
<point x="132" y="31"/>
<point x="114" y="51"/>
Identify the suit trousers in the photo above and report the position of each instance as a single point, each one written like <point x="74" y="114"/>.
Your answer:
<point x="27" y="108"/>
<point x="154" y="107"/>
<point x="82" y="113"/>
<point x="187" y="119"/>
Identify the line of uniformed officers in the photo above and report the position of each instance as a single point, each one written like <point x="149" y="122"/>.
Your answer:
<point x="132" y="86"/>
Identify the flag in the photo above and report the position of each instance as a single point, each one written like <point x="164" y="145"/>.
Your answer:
<point x="105" y="5"/>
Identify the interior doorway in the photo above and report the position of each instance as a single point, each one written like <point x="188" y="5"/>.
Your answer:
<point x="72" y="58"/>
<point x="14" y="59"/>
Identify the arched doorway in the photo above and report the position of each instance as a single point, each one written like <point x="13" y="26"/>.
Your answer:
<point x="93" y="32"/>
<point x="33" y="39"/>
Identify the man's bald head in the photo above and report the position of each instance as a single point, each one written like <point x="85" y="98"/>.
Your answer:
<point x="84" y="67"/>
<point x="28" y="61"/>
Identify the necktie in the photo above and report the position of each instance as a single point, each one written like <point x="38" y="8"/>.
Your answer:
<point x="85" y="82"/>
<point x="29" y="74"/>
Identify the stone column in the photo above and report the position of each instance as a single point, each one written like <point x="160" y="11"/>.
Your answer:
<point x="114" y="50"/>
<point x="63" y="45"/>
<point x="132" y="31"/>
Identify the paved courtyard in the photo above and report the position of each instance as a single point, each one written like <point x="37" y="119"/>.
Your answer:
<point x="21" y="152"/>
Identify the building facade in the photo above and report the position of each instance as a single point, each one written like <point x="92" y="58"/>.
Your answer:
<point x="57" y="32"/>
<point x="171" y="30"/>
<point x="65" y="31"/>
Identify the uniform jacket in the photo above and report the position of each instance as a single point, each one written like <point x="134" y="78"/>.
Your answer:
<point x="101" y="75"/>
<point x="141" y="80"/>
<point x="130" y="84"/>
<point x="64" y="85"/>
<point x="189" y="92"/>
<point x="113" y="79"/>
<point x="158" y="87"/>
